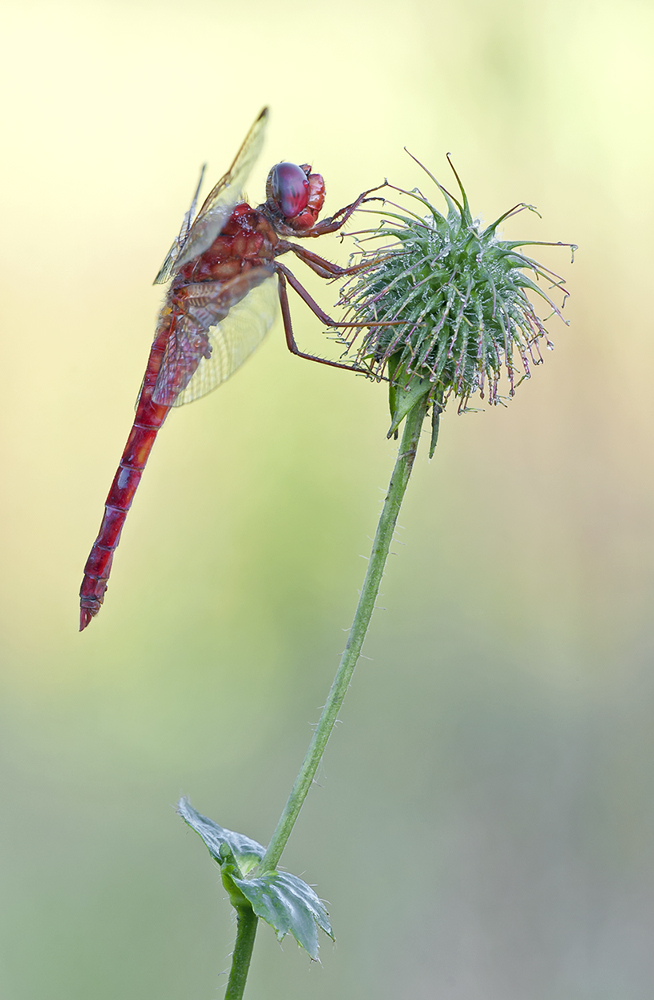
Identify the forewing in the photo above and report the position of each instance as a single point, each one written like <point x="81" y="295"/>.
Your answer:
<point x="166" y="268"/>
<point x="195" y="238"/>
<point x="233" y="340"/>
<point x="222" y="199"/>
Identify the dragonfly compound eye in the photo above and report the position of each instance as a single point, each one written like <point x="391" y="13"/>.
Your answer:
<point x="290" y="188"/>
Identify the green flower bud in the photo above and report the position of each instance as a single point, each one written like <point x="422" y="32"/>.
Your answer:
<point x="462" y="294"/>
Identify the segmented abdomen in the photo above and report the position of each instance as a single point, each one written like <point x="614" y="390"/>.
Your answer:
<point x="147" y="421"/>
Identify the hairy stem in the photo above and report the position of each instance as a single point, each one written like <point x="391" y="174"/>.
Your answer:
<point x="246" y="929"/>
<point x="365" y="608"/>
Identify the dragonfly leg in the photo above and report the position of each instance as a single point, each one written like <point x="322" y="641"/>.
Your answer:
<point x="285" y="276"/>
<point x="291" y="343"/>
<point x="320" y="265"/>
<point x="338" y="219"/>
<point x="320" y="313"/>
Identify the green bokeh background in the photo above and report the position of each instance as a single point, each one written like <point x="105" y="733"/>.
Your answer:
<point x="483" y="825"/>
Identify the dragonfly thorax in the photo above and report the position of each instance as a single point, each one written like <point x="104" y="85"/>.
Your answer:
<point x="247" y="240"/>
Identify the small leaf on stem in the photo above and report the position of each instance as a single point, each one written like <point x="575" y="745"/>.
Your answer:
<point x="247" y="853"/>
<point x="289" y="905"/>
<point x="283" y="900"/>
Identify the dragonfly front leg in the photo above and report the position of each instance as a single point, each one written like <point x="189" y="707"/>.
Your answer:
<point x="334" y="222"/>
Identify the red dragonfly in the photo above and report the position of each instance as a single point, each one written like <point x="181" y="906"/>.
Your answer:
<point x="226" y="280"/>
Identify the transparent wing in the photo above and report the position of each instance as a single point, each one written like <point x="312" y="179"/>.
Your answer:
<point x="197" y="237"/>
<point x="233" y="340"/>
<point x="219" y="326"/>
<point x="166" y="268"/>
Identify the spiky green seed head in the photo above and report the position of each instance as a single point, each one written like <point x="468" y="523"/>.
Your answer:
<point x="459" y="294"/>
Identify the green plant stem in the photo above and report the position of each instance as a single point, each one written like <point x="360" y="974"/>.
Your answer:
<point x="365" y="608"/>
<point x="246" y="929"/>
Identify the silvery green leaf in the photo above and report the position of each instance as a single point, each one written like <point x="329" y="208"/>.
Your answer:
<point x="247" y="852"/>
<point x="289" y="905"/>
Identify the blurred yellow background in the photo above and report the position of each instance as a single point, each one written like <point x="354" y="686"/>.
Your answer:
<point x="483" y="827"/>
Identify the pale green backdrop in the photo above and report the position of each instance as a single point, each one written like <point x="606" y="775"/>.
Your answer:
<point x="484" y="823"/>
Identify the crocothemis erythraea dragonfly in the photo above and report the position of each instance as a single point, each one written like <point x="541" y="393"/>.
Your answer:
<point x="226" y="283"/>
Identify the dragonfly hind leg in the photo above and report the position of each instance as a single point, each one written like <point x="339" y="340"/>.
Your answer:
<point x="286" y="277"/>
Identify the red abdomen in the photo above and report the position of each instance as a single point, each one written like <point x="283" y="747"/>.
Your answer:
<point x="147" y="421"/>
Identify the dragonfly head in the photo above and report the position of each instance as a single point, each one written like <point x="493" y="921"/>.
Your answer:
<point x="294" y="195"/>
<point x="288" y="189"/>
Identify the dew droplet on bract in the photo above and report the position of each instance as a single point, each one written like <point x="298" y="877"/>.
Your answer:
<point x="452" y="283"/>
